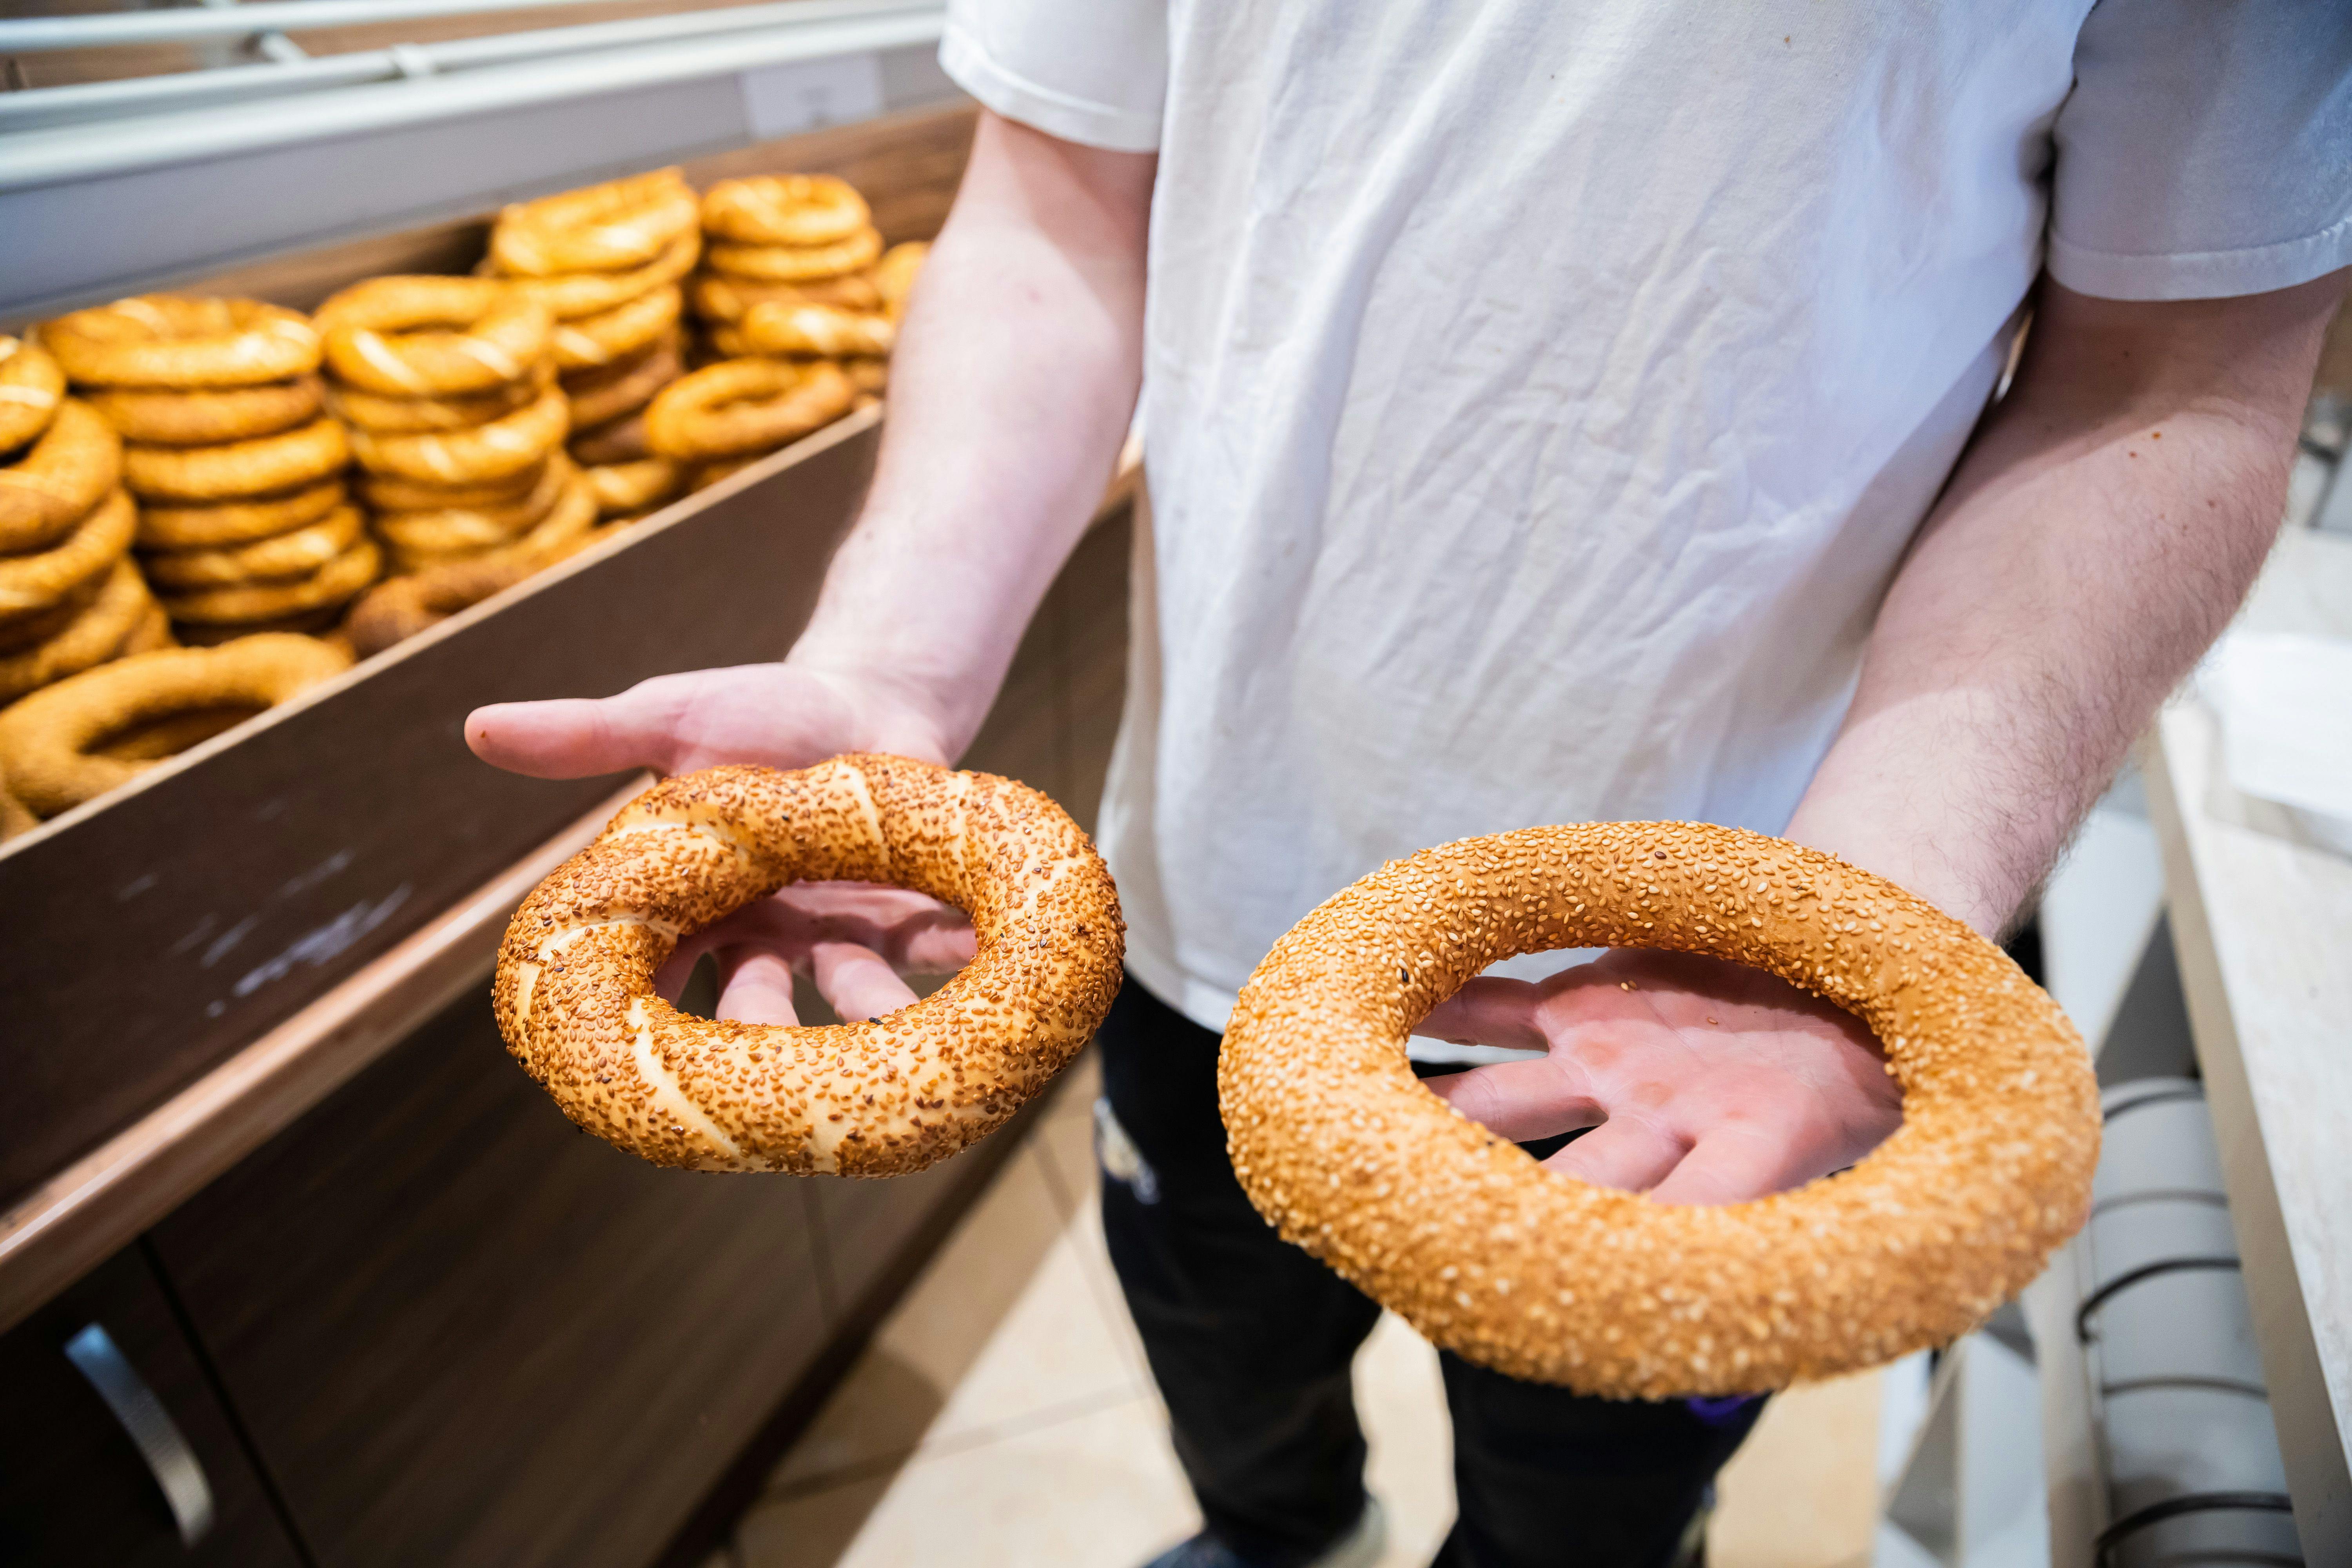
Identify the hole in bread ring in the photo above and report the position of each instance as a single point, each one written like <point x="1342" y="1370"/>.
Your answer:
<point x="262" y="465"/>
<point x="50" y="743"/>
<point x="598" y="229"/>
<point x="165" y="416"/>
<point x="224" y="523"/>
<point x="795" y="263"/>
<point x="574" y="994"/>
<point x="1552" y="1281"/>
<point x="744" y="406"/>
<point x="506" y="445"/>
<point x="590" y="341"/>
<point x="173" y="341"/>
<point x="101" y="630"/>
<point x="419" y="335"/>
<point x="37" y="582"/>
<point x="338" y="582"/>
<point x="295" y="553"/>
<point x="32" y="384"/>
<point x="54" y="486"/>
<point x="716" y="299"/>
<point x="784" y="209"/>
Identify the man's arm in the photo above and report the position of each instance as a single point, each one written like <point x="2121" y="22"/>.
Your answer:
<point x="2098" y="535"/>
<point x="1009" y="395"/>
<point x="2100" y="530"/>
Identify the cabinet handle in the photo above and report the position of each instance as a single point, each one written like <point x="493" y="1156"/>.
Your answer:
<point x="148" y="1426"/>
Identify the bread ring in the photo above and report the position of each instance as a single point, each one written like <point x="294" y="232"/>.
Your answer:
<point x="396" y="610"/>
<point x="590" y="342"/>
<point x="869" y="376"/>
<point x="895" y="274"/>
<point x="292" y="554"/>
<point x="29" y="583"/>
<point x="716" y="299"/>
<point x="32" y="384"/>
<point x="390" y="492"/>
<point x="174" y="732"/>
<point x="600" y="397"/>
<point x="1552" y="1281"/>
<point x="164" y="417"/>
<point x="600" y="228"/>
<point x="337" y="583"/>
<point x="795" y="263"/>
<point x="784" y="209"/>
<point x="623" y="440"/>
<point x="634" y="488"/>
<point x="406" y="415"/>
<point x="15" y="816"/>
<point x="574" y="994"/>
<point x="263" y="465"/>
<point x="174" y="341"/>
<point x="822" y="332"/>
<point x="98" y="633"/>
<point x="572" y="516"/>
<point x="28" y="627"/>
<point x="578" y="294"/>
<point x="416" y="335"/>
<point x="506" y="445"/>
<point x="478" y="527"/>
<point x="744" y="406"/>
<point x="150" y="631"/>
<point x="54" y="486"/>
<point x="238" y="521"/>
<point x="318" y="623"/>
<point x="47" y="740"/>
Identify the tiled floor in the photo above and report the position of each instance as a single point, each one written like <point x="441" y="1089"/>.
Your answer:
<point x="1003" y="1415"/>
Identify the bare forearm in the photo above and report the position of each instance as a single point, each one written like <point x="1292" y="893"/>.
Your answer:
<point x="2097" y="536"/>
<point x="1011" y="390"/>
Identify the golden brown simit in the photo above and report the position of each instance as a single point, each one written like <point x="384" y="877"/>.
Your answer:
<point x="1554" y="1280"/>
<point x="575" y="990"/>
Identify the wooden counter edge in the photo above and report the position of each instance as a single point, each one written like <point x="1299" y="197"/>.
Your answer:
<point x="2319" y="1471"/>
<point x="86" y="1211"/>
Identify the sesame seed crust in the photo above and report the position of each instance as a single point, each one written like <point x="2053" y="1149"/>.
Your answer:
<point x="1554" y="1280"/>
<point x="574" y="997"/>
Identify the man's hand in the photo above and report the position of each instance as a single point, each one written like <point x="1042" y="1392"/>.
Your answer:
<point x="1704" y="1082"/>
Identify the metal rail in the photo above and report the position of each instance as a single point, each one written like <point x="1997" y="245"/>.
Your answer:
<point x="113" y="29"/>
<point x="83" y="101"/>
<point x="60" y="154"/>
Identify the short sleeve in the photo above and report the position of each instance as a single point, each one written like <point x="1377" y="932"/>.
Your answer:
<point x="2206" y="149"/>
<point x="1091" y="71"/>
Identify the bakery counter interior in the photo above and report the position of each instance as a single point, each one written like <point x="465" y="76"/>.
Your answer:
<point x="295" y="1264"/>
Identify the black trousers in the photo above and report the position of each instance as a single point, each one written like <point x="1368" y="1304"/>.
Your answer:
<point x="1251" y="1340"/>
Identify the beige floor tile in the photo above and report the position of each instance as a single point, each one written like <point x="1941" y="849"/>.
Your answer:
<point x="1803" y="1491"/>
<point x="1400" y="1399"/>
<point x="1099" y="1490"/>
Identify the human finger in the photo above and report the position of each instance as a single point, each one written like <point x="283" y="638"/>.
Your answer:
<point x="1490" y="1011"/>
<point x="1631" y="1156"/>
<point x="755" y="986"/>
<point x="1732" y="1165"/>
<point x="568" y="737"/>
<point x="856" y="981"/>
<point x="1521" y="1100"/>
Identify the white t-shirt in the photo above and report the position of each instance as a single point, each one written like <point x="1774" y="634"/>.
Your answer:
<point x="1539" y="395"/>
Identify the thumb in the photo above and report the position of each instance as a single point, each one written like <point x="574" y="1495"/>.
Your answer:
<point x="569" y="738"/>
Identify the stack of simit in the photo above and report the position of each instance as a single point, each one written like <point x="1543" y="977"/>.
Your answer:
<point x="606" y="262"/>
<point x="242" y="522"/>
<point x="69" y="597"/>
<point x="448" y="384"/>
